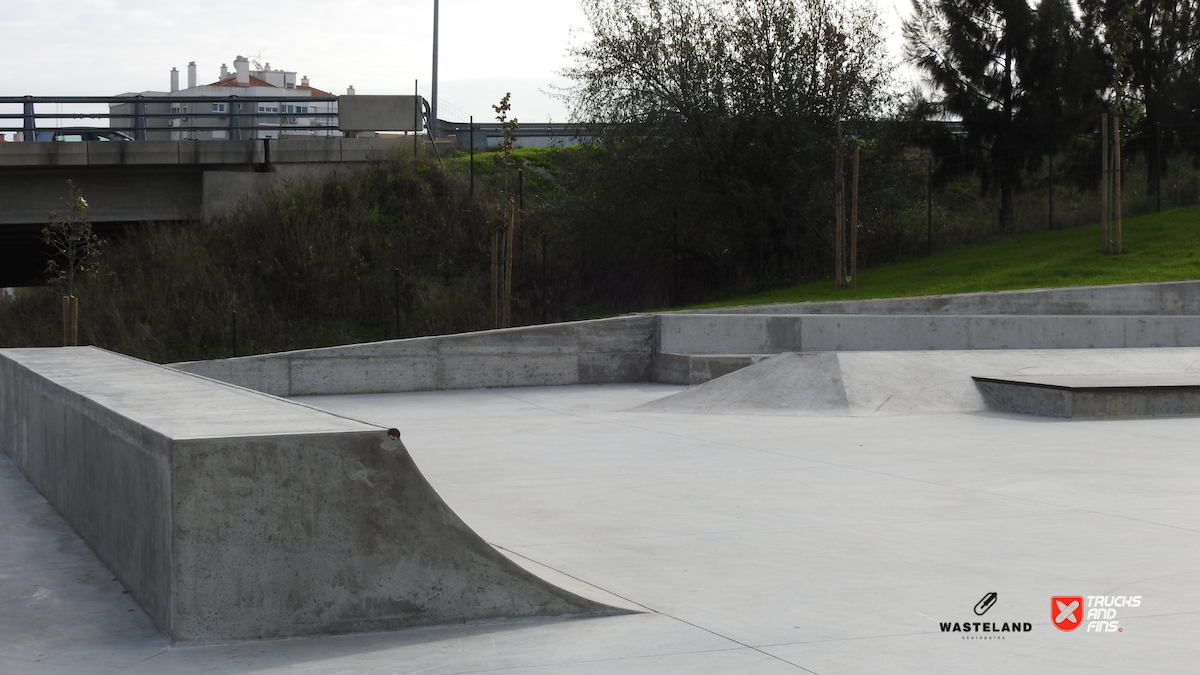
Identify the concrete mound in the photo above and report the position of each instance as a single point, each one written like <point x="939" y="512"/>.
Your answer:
<point x="233" y="515"/>
<point x="902" y="383"/>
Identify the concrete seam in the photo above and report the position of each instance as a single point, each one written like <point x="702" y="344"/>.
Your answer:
<point x="655" y="611"/>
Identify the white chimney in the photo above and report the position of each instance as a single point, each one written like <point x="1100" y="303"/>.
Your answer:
<point x="192" y="75"/>
<point x="304" y="81"/>
<point x="350" y="90"/>
<point x="174" y="80"/>
<point x="267" y="67"/>
<point x="242" y="66"/>
<point x="224" y="72"/>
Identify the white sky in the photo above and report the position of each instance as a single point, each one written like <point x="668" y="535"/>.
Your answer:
<point x="487" y="47"/>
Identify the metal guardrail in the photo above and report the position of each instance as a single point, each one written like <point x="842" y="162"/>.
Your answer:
<point x="140" y="116"/>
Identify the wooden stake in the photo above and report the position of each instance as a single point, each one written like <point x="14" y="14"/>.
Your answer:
<point x="1104" y="179"/>
<point x="854" y="224"/>
<point x="508" y="262"/>
<point x="495" y="279"/>
<point x="74" y="321"/>
<point x="839" y="225"/>
<point x="1117" y="183"/>
<point x="66" y="314"/>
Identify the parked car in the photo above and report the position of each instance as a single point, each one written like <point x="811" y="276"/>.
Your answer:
<point x="80" y="134"/>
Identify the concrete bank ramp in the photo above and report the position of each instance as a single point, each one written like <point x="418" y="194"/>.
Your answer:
<point x="902" y="383"/>
<point x="230" y="515"/>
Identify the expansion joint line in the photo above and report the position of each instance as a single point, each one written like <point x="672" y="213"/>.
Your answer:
<point x="655" y="611"/>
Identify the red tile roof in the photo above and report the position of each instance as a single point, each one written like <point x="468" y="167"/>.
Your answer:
<point x="255" y="82"/>
<point x="314" y="90"/>
<point x="232" y="82"/>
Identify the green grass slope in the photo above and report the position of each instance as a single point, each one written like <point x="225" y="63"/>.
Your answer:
<point x="1159" y="247"/>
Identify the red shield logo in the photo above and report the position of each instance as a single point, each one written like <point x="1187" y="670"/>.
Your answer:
<point x="1066" y="612"/>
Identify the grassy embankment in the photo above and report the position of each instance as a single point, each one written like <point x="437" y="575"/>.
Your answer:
<point x="1158" y="247"/>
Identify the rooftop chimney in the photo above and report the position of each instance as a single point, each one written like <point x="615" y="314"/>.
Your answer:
<point x="304" y="81"/>
<point x="242" y="66"/>
<point x="174" y="80"/>
<point x="350" y="90"/>
<point x="224" y="72"/>
<point x="192" y="75"/>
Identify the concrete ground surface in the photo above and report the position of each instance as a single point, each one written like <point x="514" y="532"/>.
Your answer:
<point x="752" y="544"/>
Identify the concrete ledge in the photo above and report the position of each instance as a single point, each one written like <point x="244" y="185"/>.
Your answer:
<point x="1172" y="297"/>
<point x="231" y="515"/>
<point x="1097" y="396"/>
<point x="584" y="352"/>
<point x="772" y="334"/>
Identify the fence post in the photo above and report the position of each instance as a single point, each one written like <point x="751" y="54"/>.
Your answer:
<point x="29" y="128"/>
<point x="235" y="119"/>
<point x="1104" y="182"/>
<point x="396" y="298"/>
<point x="854" y="223"/>
<point x="1117" y="181"/>
<point x="543" y="276"/>
<point x="1158" y="164"/>
<point x="139" y="123"/>
<point x="839" y="223"/>
<point x="472" y="127"/>
<point x="929" y="205"/>
<point x="1050" y="180"/>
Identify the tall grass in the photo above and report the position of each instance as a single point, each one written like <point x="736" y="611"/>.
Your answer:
<point x="311" y="265"/>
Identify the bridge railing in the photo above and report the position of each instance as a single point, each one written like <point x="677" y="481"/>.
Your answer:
<point x="144" y="114"/>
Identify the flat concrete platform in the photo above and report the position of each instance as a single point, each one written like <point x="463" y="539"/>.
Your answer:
<point x="755" y="544"/>
<point x="1099" y="395"/>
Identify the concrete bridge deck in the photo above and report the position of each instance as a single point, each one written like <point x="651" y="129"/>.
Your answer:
<point x="141" y="181"/>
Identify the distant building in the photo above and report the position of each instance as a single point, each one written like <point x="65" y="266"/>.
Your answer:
<point x="286" y="118"/>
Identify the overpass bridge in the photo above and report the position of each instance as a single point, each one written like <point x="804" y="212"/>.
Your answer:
<point x="143" y="181"/>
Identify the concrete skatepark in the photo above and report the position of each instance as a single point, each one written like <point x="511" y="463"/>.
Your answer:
<point x="770" y="489"/>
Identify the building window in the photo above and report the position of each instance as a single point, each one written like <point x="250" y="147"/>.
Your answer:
<point x="174" y="108"/>
<point x="218" y="107"/>
<point x="296" y="109"/>
<point x="262" y="108"/>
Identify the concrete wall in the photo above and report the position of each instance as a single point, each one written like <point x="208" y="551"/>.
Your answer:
<point x="1178" y="297"/>
<point x="584" y="352"/>
<point x="773" y="334"/>
<point x="167" y="180"/>
<point x="232" y="515"/>
<point x="107" y="475"/>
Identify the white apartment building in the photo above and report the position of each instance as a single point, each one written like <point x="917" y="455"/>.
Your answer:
<point x="227" y="119"/>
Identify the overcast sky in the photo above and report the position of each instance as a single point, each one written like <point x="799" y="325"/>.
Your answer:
<point x="488" y="47"/>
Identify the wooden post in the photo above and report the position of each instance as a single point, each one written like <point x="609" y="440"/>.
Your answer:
<point x="509" y="245"/>
<point x="854" y="223"/>
<point x="1104" y="178"/>
<point x="495" y="279"/>
<point x="1117" y="183"/>
<point x="74" y="321"/>
<point x="66" y="314"/>
<point x="839" y="225"/>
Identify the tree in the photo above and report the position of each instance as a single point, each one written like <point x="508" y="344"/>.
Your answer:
<point x="75" y="246"/>
<point x="727" y="113"/>
<point x="1153" y="50"/>
<point x="76" y="249"/>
